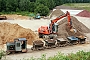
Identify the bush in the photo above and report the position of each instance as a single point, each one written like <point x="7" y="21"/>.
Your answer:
<point x="2" y="53"/>
<point x="81" y="55"/>
<point x="42" y="10"/>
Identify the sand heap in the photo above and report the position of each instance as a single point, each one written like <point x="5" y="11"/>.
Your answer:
<point x="64" y="31"/>
<point x="56" y="13"/>
<point x="10" y="31"/>
<point x="84" y="13"/>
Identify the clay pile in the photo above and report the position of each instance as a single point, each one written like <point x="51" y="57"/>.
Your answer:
<point x="64" y="31"/>
<point x="84" y="13"/>
<point x="10" y="31"/>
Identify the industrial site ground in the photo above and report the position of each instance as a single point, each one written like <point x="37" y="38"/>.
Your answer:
<point x="34" y="24"/>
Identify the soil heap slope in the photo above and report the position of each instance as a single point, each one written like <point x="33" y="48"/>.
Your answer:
<point x="10" y="31"/>
<point x="64" y="31"/>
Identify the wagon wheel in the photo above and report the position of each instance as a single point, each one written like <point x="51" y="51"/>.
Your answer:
<point x="54" y="46"/>
<point x="14" y="52"/>
<point x="66" y="44"/>
<point x="31" y="48"/>
<point x="43" y="48"/>
<point x="60" y="45"/>
<point x="8" y="52"/>
<point x="37" y="49"/>
<point x="46" y="46"/>
<point x="75" y="43"/>
<point x="57" y="44"/>
<point x="45" y="37"/>
<point x="82" y="42"/>
<point x="69" y="43"/>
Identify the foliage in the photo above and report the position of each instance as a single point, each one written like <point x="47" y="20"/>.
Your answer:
<point x="58" y="2"/>
<point x="58" y="56"/>
<point x="11" y="6"/>
<point x="2" y="5"/>
<point x="50" y="4"/>
<point x="2" y="53"/>
<point x="43" y="57"/>
<point x="32" y="0"/>
<point x="42" y="10"/>
<point x="81" y="55"/>
<point x="24" y="5"/>
<point x="31" y="5"/>
<point x="44" y="2"/>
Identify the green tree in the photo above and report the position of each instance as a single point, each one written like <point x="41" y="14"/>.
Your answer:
<point x="50" y="4"/>
<point x="24" y="5"/>
<point x="42" y="10"/>
<point x="32" y="6"/>
<point x="11" y="5"/>
<point x="2" y="5"/>
<point x="59" y="2"/>
<point x="32" y="0"/>
<point x="44" y="2"/>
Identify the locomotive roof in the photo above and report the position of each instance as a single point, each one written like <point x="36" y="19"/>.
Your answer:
<point x="21" y="39"/>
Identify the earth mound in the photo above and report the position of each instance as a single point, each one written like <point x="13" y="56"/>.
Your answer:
<point x="64" y="31"/>
<point x="8" y="32"/>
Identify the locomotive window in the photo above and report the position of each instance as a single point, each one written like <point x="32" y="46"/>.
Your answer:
<point x="18" y="44"/>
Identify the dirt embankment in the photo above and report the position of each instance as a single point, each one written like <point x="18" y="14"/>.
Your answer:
<point x="10" y="31"/>
<point x="64" y="31"/>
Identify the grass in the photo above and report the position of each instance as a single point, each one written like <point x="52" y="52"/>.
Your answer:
<point x="85" y="6"/>
<point x="2" y="53"/>
<point x="81" y="55"/>
<point x="23" y="13"/>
